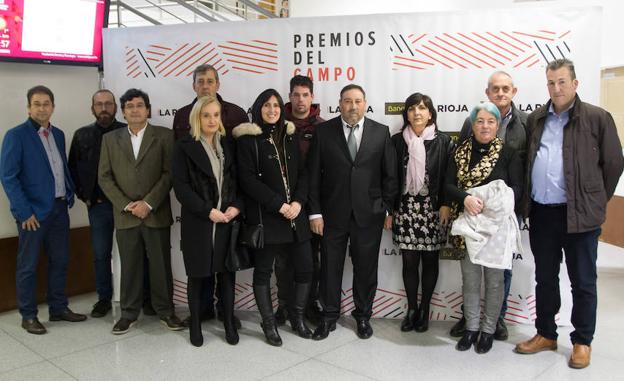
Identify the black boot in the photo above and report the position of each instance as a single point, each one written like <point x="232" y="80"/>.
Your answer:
<point x="408" y="321"/>
<point x="194" y="303"/>
<point x="226" y="282"/>
<point x="460" y="327"/>
<point x="297" y="321"/>
<point x="501" y="332"/>
<point x="262" y="294"/>
<point x="281" y="314"/>
<point x="422" y="323"/>
<point x="485" y="343"/>
<point x="469" y="338"/>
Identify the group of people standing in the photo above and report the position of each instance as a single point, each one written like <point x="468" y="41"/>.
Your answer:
<point x="320" y="189"/>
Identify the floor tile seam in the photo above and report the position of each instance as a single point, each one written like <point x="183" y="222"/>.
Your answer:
<point x="24" y="344"/>
<point x="118" y="339"/>
<point x="62" y="370"/>
<point x="22" y="366"/>
<point x="540" y="374"/>
<point x="285" y="369"/>
<point x="348" y="370"/>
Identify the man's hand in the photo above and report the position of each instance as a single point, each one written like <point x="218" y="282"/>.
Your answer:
<point x="317" y="225"/>
<point x="139" y="209"/>
<point x="31" y="224"/>
<point x="293" y="211"/>
<point x="388" y="222"/>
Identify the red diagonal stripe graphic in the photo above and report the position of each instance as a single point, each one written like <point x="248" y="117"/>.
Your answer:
<point x="160" y="47"/>
<point x="247" y="51"/>
<point x="506" y="42"/>
<point x="565" y="34"/>
<point x="137" y="74"/>
<point x="426" y="55"/>
<point x="547" y="31"/>
<point x="157" y="53"/>
<point x="253" y="46"/>
<point x="180" y="57"/>
<point x="495" y="44"/>
<point x="416" y="40"/>
<point x="134" y="56"/>
<point x="473" y="48"/>
<point x="442" y="55"/>
<point x="172" y="55"/>
<point x="413" y="60"/>
<point x="252" y="65"/>
<point x="194" y="62"/>
<point x="153" y="59"/>
<point x="483" y="46"/>
<point x="265" y="42"/>
<point x="130" y="51"/>
<point x="388" y="305"/>
<point x="225" y="72"/>
<point x="533" y="63"/>
<point x="455" y="54"/>
<point x="516" y="39"/>
<point x="248" y="70"/>
<point x="249" y="58"/>
<point x="390" y="292"/>
<point x="534" y="36"/>
<point x="131" y="64"/>
<point x="524" y="60"/>
<point x="135" y="69"/>
<point x="205" y="62"/>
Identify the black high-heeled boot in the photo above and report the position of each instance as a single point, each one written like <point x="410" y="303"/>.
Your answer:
<point x="422" y="323"/>
<point x="262" y="294"/>
<point x="227" y="301"/>
<point x="408" y="321"/>
<point x="296" y="314"/>
<point x="193" y="292"/>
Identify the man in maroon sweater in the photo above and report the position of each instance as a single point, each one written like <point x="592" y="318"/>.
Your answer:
<point x="305" y="115"/>
<point x="206" y="82"/>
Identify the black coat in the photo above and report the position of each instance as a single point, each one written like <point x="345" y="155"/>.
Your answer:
<point x="439" y="150"/>
<point x="340" y="187"/>
<point x="264" y="186"/>
<point x="195" y="187"/>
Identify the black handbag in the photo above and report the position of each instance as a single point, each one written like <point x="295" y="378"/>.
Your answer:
<point x="252" y="235"/>
<point x="237" y="257"/>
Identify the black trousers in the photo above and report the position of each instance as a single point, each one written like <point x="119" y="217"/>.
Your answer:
<point x="364" y="251"/>
<point x="134" y="244"/>
<point x="300" y="254"/>
<point x="549" y="239"/>
<point x="285" y="273"/>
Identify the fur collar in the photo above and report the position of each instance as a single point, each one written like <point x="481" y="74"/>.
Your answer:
<point x="254" y="130"/>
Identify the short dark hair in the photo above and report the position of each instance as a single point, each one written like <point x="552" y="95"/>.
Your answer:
<point x="103" y="91"/>
<point x="303" y="81"/>
<point x="415" y="99"/>
<point x="352" y="86"/>
<point x="256" y="108"/>
<point x="134" y="93"/>
<point x="39" y="89"/>
<point x="201" y="69"/>
<point x="562" y="62"/>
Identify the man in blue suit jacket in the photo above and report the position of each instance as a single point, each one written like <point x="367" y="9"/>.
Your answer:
<point x="35" y="177"/>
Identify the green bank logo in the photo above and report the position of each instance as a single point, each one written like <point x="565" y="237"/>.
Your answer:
<point x="394" y="108"/>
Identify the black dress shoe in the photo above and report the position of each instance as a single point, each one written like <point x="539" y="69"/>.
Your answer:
<point x="364" y="329"/>
<point x="469" y="338"/>
<point x="459" y="328"/>
<point x="237" y="321"/>
<point x="323" y="330"/>
<point x="314" y="313"/>
<point x="148" y="310"/>
<point x="33" y="326"/>
<point x="101" y="308"/>
<point x="485" y="343"/>
<point x="422" y="323"/>
<point x="172" y="323"/>
<point x="122" y="326"/>
<point x="501" y="332"/>
<point x="68" y="315"/>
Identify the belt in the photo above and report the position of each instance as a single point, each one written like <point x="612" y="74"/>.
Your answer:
<point x="60" y="198"/>
<point x="560" y="205"/>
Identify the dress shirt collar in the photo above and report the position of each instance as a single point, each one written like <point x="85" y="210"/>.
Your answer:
<point x="346" y="125"/>
<point x="551" y="109"/>
<point x="138" y="134"/>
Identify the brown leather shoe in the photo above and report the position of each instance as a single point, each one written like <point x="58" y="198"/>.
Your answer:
<point x="33" y="326"/>
<point x="68" y="315"/>
<point x="581" y="355"/>
<point x="537" y="344"/>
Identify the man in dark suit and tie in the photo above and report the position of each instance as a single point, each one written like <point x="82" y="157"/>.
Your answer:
<point x="135" y="174"/>
<point x="353" y="182"/>
<point x="35" y="177"/>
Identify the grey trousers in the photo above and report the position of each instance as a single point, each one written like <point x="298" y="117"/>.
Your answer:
<point x="134" y="244"/>
<point x="494" y="290"/>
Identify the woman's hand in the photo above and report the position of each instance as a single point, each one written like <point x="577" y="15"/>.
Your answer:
<point x="231" y="213"/>
<point x="217" y="216"/>
<point x="473" y="205"/>
<point x="388" y="222"/>
<point x="445" y="215"/>
<point x="293" y="212"/>
<point x="284" y="210"/>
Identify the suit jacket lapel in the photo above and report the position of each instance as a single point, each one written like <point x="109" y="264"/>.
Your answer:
<point x="341" y="138"/>
<point x="34" y="134"/>
<point x="197" y="153"/>
<point x="148" y="139"/>
<point x="125" y="144"/>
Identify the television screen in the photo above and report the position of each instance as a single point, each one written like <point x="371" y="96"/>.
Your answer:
<point x="52" y="31"/>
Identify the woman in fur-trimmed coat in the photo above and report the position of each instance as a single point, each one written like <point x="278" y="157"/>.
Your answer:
<point x="273" y="180"/>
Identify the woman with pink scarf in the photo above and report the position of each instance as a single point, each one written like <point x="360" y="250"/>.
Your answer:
<point x="420" y="209"/>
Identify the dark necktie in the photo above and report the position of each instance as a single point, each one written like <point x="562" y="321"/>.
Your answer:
<point x="351" y="141"/>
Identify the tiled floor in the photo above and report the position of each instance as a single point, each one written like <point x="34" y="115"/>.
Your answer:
<point x="88" y="351"/>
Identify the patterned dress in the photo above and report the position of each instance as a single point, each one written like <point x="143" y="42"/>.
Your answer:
<point x="416" y="225"/>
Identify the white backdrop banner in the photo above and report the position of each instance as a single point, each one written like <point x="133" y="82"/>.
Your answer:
<point x="447" y="56"/>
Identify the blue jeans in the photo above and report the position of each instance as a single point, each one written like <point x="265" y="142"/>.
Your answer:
<point x="53" y="236"/>
<point x="507" y="275"/>
<point x="102" y="226"/>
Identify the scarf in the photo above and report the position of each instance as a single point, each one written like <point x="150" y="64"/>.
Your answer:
<point x="416" y="164"/>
